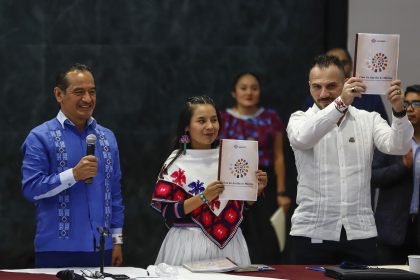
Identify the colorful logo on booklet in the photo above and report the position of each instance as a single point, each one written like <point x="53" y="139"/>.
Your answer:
<point x="240" y="168"/>
<point x="378" y="63"/>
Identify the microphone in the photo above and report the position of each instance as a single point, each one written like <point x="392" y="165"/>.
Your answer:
<point x="90" y="151"/>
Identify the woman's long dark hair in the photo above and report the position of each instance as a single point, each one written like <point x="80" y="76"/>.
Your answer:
<point x="185" y="119"/>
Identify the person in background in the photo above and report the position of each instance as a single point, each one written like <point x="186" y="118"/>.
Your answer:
<point x="344" y="57"/>
<point x="201" y="227"/>
<point x="247" y="120"/>
<point x="70" y="211"/>
<point x="333" y="143"/>
<point x="398" y="180"/>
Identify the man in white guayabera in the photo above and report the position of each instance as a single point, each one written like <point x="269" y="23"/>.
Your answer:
<point x="333" y="143"/>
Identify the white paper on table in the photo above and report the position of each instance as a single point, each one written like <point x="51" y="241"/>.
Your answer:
<point x="278" y="221"/>
<point x="376" y="60"/>
<point x="213" y="265"/>
<point x="238" y="161"/>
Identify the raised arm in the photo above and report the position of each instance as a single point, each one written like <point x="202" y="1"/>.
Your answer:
<point x="305" y="129"/>
<point x="395" y="140"/>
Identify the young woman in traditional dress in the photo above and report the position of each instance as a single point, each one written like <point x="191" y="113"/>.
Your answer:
<point x="201" y="227"/>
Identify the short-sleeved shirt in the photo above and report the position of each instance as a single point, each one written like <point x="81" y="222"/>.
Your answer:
<point x="262" y="126"/>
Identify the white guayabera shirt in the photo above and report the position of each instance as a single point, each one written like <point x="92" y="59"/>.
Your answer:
<point x="334" y="168"/>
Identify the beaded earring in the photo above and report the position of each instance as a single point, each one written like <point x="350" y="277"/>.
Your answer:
<point x="184" y="140"/>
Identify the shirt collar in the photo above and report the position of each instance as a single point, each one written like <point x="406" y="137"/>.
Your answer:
<point x="62" y="119"/>
<point x="245" y="117"/>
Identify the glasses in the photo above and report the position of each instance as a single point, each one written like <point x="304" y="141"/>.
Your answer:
<point x="81" y="92"/>
<point x="414" y="104"/>
<point x="90" y="274"/>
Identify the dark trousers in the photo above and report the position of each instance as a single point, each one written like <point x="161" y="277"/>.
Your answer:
<point x="389" y="254"/>
<point x="71" y="259"/>
<point x="361" y="251"/>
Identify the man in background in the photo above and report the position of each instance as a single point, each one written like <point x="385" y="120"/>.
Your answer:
<point x="398" y="180"/>
<point x="345" y="59"/>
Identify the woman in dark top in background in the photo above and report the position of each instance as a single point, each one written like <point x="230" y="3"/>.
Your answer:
<point x="248" y="121"/>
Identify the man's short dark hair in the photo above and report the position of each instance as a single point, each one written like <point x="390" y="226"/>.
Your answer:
<point x="413" y="88"/>
<point x="61" y="80"/>
<point x="324" y="61"/>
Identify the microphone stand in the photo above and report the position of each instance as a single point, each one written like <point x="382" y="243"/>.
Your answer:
<point x="103" y="232"/>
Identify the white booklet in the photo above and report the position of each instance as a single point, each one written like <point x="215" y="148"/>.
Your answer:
<point x="376" y="60"/>
<point x="216" y="265"/>
<point x="238" y="161"/>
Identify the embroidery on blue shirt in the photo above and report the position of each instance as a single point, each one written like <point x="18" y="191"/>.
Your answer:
<point x="103" y="142"/>
<point x="63" y="197"/>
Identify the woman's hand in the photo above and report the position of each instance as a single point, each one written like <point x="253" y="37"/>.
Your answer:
<point x="213" y="190"/>
<point x="262" y="183"/>
<point x="262" y="180"/>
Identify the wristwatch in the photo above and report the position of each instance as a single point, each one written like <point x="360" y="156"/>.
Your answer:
<point x="399" y="114"/>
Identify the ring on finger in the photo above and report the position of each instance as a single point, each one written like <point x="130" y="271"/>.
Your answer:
<point x="353" y="89"/>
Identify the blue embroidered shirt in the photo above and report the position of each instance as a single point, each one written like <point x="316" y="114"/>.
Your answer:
<point x="69" y="212"/>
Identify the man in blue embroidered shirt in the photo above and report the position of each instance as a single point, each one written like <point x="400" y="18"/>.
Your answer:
<point x="69" y="211"/>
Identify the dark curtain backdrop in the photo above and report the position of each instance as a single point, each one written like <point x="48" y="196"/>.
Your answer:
<point x="147" y="56"/>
